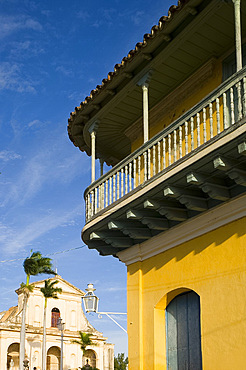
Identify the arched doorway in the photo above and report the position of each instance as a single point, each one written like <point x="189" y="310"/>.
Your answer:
<point x="13" y="354"/>
<point x="53" y="358"/>
<point x="183" y="332"/>
<point x="55" y="314"/>
<point x="90" y="355"/>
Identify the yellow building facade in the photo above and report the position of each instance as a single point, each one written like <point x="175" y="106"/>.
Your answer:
<point x="171" y="121"/>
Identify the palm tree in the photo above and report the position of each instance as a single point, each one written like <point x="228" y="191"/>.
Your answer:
<point x="49" y="291"/>
<point x="83" y="341"/>
<point x="33" y="265"/>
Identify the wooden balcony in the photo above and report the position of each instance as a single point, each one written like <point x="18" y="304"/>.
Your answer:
<point x="189" y="167"/>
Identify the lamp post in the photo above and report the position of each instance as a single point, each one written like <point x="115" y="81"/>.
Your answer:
<point x="91" y="305"/>
<point x="60" y="326"/>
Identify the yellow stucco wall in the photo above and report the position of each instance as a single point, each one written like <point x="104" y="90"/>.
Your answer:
<point x="213" y="265"/>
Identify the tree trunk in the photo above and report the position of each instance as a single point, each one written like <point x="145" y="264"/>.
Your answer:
<point x="44" y="338"/>
<point x="23" y="331"/>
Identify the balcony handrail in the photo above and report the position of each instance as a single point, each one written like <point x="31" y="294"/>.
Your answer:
<point x="227" y="84"/>
<point x="186" y="124"/>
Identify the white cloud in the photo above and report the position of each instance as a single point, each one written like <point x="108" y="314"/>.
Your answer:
<point x="115" y="289"/>
<point x="137" y="18"/>
<point x="11" y="78"/>
<point x="47" y="165"/>
<point x="14" y="240"/>
<point x="25" y="49"/>
<point x="35" y="122"/>
<point x="6" y="156"/>
<point x="109" y="14"/>
<point x="64" y="71"/>
<point x="11" y="24"/>
<point x="84" y="15"/>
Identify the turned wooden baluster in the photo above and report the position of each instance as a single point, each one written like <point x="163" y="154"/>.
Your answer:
<point x="186" y="138"/>
<point x="139" y="170"/>
<point x="198" y="129"/>
<point x="244" y="96"/>
<point x="126" y="179"/>
<point x="232" y="106"/>
<point x="180" y="141"/>
<point x="114" y="188"/>
<point x="211" y="120"/>
<point x="225" y="118"/>
<point x="175" y="145"/>
<point x="159" y="156"/>
<point x="122" y="181"/>
<point x="145" y="165"/>
<point x="130" y="176"/>
<point x="118" y="184"/>
<point x="164" y="152"/>
<point x="134" y="172"/>
<point x="169" y="149"/>
<point x="154" y="160"/>
<point x="218" y="115"/>
<point x="192" y="132"/>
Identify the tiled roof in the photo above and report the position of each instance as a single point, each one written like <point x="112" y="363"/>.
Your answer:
<point x="148" y="37"/>
<point x="10" y="313"/>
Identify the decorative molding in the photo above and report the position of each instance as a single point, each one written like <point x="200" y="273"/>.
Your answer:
<point x="169" y="103"/>
<point x="145" y="80"/>
<point x="93" y="127"/>
<point x="166" y="37"/>
<point x="186" y="231"/>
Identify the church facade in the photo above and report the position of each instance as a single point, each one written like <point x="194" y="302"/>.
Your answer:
<point x="67" y="307"/>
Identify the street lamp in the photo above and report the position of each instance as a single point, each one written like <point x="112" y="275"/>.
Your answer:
<point x="60" y="326"/>
<point x="91" y="305"/>
<point x="90" y="299"/>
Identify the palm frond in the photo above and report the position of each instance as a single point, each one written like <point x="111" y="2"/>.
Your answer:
<point x="84" y="341"/>
<point x="26" y="289"/>
<point x="37" y="264"/>
<point x="49" y="291"/>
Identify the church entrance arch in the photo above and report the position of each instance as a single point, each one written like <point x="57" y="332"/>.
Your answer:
<point x="90" y="355"/>
<point x="53" y="358"/>
<point x="13" y="356"/>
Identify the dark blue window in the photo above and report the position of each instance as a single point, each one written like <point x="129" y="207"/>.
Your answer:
<point x="184" y="333"/>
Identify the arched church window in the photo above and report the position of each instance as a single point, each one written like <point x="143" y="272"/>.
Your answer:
<point x="55" y="314"/>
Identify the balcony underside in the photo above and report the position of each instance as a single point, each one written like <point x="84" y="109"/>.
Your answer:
<point x="212" y="174"/>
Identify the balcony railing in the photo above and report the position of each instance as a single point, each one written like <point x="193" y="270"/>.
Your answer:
<point x="221" y="109"/>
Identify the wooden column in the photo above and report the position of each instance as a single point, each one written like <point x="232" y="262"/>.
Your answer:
<point x="237" y="4"/>
<point x="144" y="83"/>
<point x="145" y="112"/>
<point x="92" y="130"/>
<point x="93" y="156"/>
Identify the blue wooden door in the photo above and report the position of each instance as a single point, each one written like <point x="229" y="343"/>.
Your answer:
<point x="183" y="333"/>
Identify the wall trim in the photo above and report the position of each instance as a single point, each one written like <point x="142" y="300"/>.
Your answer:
<point x="210" y="220"/>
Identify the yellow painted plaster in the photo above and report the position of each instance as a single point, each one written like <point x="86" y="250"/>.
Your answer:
<point x="213" y="265"/>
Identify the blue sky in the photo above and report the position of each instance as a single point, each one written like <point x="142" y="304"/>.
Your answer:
<point x="52" y="54"/>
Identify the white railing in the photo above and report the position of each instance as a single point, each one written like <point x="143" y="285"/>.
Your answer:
<point x="221" y="109"/>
